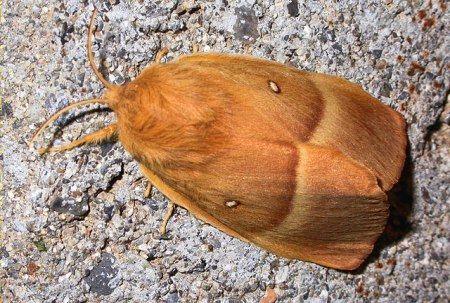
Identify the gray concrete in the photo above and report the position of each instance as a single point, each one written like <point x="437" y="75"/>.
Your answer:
<point x="75" y="226"/>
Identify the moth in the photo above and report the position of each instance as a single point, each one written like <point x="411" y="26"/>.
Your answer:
<point x="295" y="162"/>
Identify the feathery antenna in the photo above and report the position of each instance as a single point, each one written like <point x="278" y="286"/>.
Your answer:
<point x="62" y="111"/>
<point x="91" y="53"/>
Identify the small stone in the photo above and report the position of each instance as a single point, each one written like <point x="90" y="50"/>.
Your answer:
<point x="381" y="64"/>
<point x="106" y="148"/>
<point x="7" y="110"/>
<point x="282" y="275"/>
<point x="337" y="47"/>
<point x="153" y="204"/>
<point x="206" y="286"/>
<point x="207" y="247"/>
<point x="70" y="206"/>
<point x="214" y="242"/>
<point x="403" y="95"/>
<point x="246" y="26"/>
<point x="3" y="253"/>
<point x="102" y="274"/>
<point x="129" y="210"/>
<point x="385" y="90"/>
<point x="32" y="268"/>
<point x="173" y="272"/>
<point x="377" y="53"/>
<point x="292" y="7"/>
<point x="109" y="212"/>
<point x="173" y="298"/>
<point x="19" y="226"/>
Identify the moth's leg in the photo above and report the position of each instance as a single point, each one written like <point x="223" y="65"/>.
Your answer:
<point x="191" y="206"/>
<point x="195" y="48"/>
<point x="170" y="206"/>
<point x="95" y="137"/>
<point x="161" y="54"/>
<point x="168" y="214"/>
<point x="148" y="189"/>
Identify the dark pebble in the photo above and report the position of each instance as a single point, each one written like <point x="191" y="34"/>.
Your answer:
<point x="173" y="298"/>
<point x="99" y="277"/>
<point x="292" y="7"/>
<point x="69" y="206"/>
<point x="109" y="212"/>
<point x="246" y="26"/>
<point x="7" y="110"/>
<point x="377" y="53"/>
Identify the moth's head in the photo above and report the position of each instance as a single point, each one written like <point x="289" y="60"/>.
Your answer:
<point x="123" y="98"/>
<point x="116" y="97"/>
<point x="113" y="95"/>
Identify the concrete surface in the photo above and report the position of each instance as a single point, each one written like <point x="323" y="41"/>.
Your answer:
<point x="75" y="226"/>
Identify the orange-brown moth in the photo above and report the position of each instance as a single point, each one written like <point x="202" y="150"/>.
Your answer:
<point x="295" y="162"/>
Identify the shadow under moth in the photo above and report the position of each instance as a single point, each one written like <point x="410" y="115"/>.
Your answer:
<point x="295" y="162"/>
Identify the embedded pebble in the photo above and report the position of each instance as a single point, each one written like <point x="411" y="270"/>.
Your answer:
<point x="100" y="277"/>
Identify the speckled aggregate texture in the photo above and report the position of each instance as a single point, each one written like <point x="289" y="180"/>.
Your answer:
<point x="75" y="226"/>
